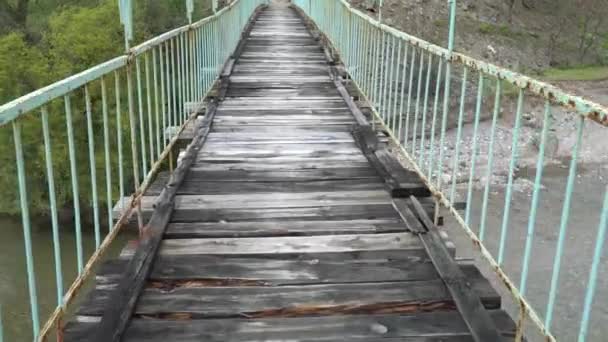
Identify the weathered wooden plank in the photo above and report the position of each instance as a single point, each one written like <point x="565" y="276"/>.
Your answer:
<point x="266" y="175"/>
<point x="402" y="176"/>
<point x="290" y="245"/>
<point x="297" y="300"/>
<point x="253" y="148"/>
<point x="285" y="112"/>
<point x="445" y="326"/>
<point x="278" y="164"/>
<point x="275" y="128"/>
<point x="303" y="67"/>
<point x="285" y="105"/>
<point x="399" y="181"/>
<point x="251" y="92"/>
<point x="277" y="200"/>
<point x="287" y="120"/>
<point x="327" y="212"/>
<point x="282" y="158"/>
<point x="176" y="271"/>
<point x="218" y="188"/>
<point x="290" y="134"/>
<point x="294" y="228"/>
<point x="315" y="212"/>
<point x="279" y="79"/>
<point x="239" y="139"/>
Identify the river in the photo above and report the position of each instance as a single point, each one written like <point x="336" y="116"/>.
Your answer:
<point x="579" y="244"/>
<point x="14" y="295"/>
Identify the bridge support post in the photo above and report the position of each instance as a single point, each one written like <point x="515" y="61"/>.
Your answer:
<point x="126" y="19"/>
<point x="189" y="10"/>
<point x="452" y="29"/>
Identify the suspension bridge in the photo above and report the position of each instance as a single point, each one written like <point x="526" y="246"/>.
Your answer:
<point x="308" y="200"/>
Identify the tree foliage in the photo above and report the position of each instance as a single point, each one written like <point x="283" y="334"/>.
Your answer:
<point x="55" y="39"/>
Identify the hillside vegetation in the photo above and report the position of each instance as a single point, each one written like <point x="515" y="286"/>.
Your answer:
<point x="525" y="35"/>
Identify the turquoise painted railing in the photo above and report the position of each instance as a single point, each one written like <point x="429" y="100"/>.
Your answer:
<point x="156" y="87"/>
<point x="398" y="74"/>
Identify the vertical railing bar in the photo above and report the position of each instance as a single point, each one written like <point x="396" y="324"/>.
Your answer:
<point x="74" y="177"/>
<point x="417" y="111"/>
<point x="456" y="157"/>
<point x="27" y="230"/>
<point x="201" y="62"/>
<point x="425" y="109"/>
<point x="564" y="223"/>
<point x="384" y="76"/>
<point x="169" y="113"/>
<point x="357" y="48"/>
<point x="409" y="98"/>
<point x="164" y="106"/>
<point x="368" y="63"/>
<point x="402" y="96"/>
<point x="595" y="265"/>
<point x="376" y="76"/>
<point x="183" y="79"/>
<point x="180" y="87"/>
<point x="434" y="123"/>
<point x="1" y="326"/>
<point x="204" y="55"/>
<point x="53" y="205"/>
<point x="202" y="47"/>
<point x="366" y="60"/>
<point x="134" y="152"/>
<point x="121" y="184"/>
<point x="208" y="57"/>
<point x="535" y="199"/>
<point x="92" y="165"/>
<point x="490" y="165"/>
<point x="174" y="88"/>
<point x="512" y="164"/>
<point x="389" y="86"/>
<point x="395" y="100"/>
<point x="188" y="66"/>
<point x="197" y="42"/>
<point x="141" y="120"/>
<point x="149" y="107"/>
<point x="156" y="103"/>
<point x="354" y="41"/>
<point x="106" y="145"/>
<point x="444" y="120"/>
<point x="480" y="85"/>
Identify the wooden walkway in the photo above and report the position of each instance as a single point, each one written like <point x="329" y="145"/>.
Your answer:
<point x="285" y="226"/>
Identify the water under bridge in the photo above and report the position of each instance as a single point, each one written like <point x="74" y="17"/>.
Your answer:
<point x="304" y="204"/>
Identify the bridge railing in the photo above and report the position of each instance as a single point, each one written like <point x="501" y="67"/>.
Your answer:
<point x="120" y="120"/>
<point x="412" y="86"/>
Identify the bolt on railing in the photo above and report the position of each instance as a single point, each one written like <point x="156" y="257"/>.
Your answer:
<point x="412" y="87"/>
<point x="159" y="85"/>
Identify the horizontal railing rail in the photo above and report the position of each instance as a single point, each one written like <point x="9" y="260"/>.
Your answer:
<point x="121" y="120"/>
<point x="434" y="104"/>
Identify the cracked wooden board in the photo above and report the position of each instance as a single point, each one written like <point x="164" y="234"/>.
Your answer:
<point x="422" y="327"/>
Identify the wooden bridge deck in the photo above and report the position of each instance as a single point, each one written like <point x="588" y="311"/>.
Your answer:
<point x="285" y="227"/>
